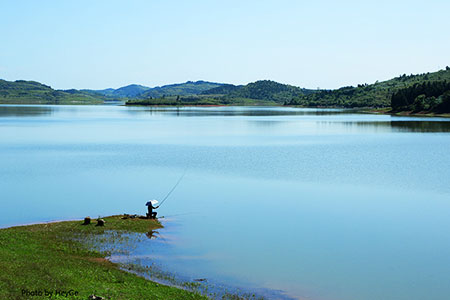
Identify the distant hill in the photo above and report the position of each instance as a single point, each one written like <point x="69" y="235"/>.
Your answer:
<point x="134" y="91"/>
<point x="224" y="89"/>
<point x="129" y="91"/>
<point x="180" y="89"/>
<point x="263" y="92"/>
<point x="427" y="92"/>
<point x="267" y="90"/>
<point x="32" y="92"/>
<point x="378" y="94"/>
<point x="105" y="92"/>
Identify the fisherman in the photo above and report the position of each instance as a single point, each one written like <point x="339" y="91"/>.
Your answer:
<point x="150" y="207"/>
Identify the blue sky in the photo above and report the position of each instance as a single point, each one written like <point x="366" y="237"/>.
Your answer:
<point x="327" y="44"/>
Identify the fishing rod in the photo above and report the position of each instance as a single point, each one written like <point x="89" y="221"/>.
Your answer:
<point x="174" y="187"/>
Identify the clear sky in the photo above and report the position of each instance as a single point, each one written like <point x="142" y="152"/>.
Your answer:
<point x="323" y="43"/>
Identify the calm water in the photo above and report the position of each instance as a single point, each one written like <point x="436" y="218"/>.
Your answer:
<point x="319" y="204"/>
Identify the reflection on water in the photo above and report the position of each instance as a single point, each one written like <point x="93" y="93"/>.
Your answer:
<point x="421" y="126"/>
<point x="157" y="254"/>
<point x="260" y="116"/>
<point x="234" y="111"/>
<point x="321" y="204"/>
<point x="394" y="125"/>
<point x="152" y="234"/>
<point x="24" y="111"/>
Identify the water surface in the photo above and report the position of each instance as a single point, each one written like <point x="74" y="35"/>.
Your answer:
<point x="320" y="204"/>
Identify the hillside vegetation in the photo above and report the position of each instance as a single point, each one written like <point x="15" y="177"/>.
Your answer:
<point x="179" y="89"/>
<point x="224" y="89"/>
<point x="425" y="92"/>
<point x="129" y="91"/>
<point x="32" y="92"/>
<point x="263" y="92"/>
<point x="200" y="100"/>
<point x="378" y="94"/>
<point x="424" y="97"/>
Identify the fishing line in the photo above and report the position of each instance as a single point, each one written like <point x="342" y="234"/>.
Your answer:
<point x="183" y="214"/>
<point x="174" y="187"/>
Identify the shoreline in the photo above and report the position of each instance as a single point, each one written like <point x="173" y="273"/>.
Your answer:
<point x="59" y="256"/>
<point x="68" y="249"/>
<point x="388" y="111"/>
<point x="166" y="105"/>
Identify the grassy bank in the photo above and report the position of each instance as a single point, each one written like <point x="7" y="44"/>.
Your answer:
<point x="53" y="257"/>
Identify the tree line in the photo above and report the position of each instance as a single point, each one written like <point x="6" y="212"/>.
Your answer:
<point x="426" y="96"/>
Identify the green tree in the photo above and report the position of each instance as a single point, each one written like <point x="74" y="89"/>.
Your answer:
<point x="420" y="103"/>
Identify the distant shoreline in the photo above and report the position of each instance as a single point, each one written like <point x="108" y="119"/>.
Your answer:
<point x="388" y="111"/>
<point x="191" y="105"/>
<point x="366" y="110"/>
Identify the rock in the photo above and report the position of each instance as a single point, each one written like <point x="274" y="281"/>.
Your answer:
<point x="127" y="216"/>
<point x="100" y="222"/>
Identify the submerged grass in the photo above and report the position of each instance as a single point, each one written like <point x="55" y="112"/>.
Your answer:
<point x="56" y="261"/>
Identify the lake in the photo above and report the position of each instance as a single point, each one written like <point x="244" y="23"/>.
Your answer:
<point x="320" y="204"/>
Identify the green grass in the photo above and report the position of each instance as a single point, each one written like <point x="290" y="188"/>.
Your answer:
<point x="58" y="256"/>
